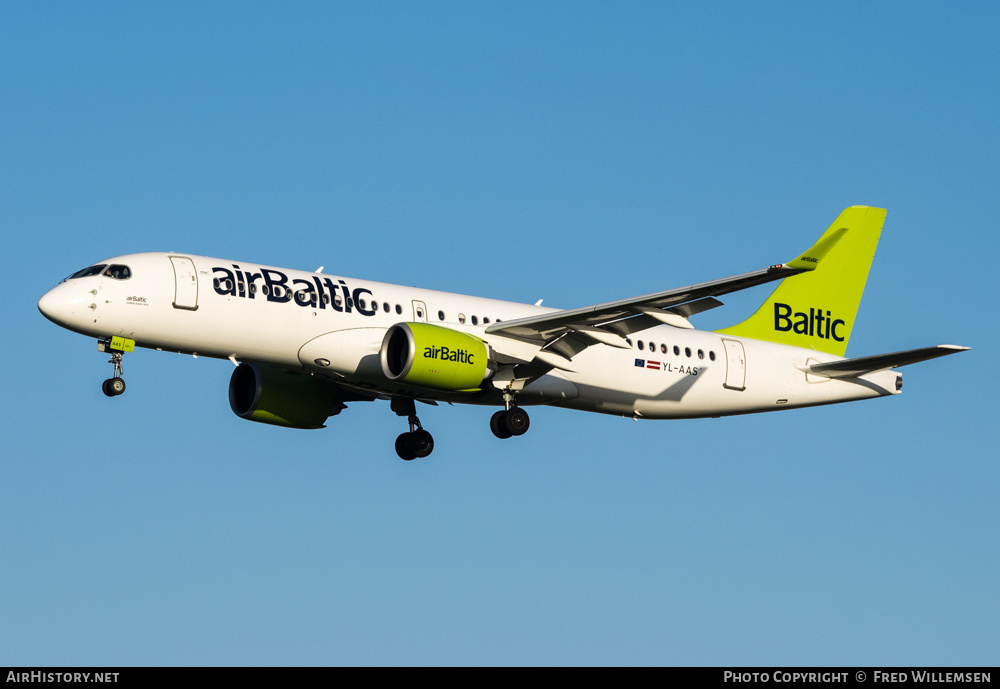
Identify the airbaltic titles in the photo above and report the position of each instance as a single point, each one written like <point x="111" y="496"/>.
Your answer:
<point x="319" y="292"/>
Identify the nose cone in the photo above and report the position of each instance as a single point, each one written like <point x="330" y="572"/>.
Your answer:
<point x="63" y="306"/>
<point x="52" y="307"/>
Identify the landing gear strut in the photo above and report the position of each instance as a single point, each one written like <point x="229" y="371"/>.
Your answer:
<point x="113" y="387"/>
<point x="416" y="443"/>
<point x="511" y="420"/>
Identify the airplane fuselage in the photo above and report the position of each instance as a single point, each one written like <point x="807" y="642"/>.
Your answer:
<point x="334" y="327"/>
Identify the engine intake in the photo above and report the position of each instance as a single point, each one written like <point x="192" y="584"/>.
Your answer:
<point x="432" y="356"/>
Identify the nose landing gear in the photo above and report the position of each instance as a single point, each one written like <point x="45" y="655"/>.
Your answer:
<point x="416" y="443"/>
<point x="113" y="387"/>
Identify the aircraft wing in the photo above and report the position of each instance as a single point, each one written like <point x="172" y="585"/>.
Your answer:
<point x="546" y="326"/>
<point x="569" y="332"/>
<point x="852" y="368"/>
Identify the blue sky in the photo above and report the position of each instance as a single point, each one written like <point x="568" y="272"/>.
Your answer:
<point x="578" y="153"/>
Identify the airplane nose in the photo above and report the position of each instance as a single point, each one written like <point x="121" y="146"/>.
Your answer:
<point x="56" y="306"/>
<point x="48" y="305"/>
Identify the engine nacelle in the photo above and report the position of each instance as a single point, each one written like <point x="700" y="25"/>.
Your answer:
<point x="281" y="397"/>
<point x="432" y="356"/>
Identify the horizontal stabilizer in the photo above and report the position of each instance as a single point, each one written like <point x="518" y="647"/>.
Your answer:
<point x="852" y="368"/>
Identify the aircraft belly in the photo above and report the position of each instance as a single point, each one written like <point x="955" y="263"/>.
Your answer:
<point x="551" y="387"/>
<point x="352" y="352"/>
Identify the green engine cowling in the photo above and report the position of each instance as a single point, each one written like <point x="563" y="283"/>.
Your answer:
<point x="432" y="356"/>
<point x="281" y="397"/>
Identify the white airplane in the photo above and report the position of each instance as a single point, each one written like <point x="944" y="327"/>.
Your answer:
<point x="305" y="344"/>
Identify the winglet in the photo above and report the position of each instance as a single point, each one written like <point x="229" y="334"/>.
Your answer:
<point x="811" y="258"/>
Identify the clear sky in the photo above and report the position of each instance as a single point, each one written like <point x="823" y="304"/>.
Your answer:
<point x="577" y="152"/>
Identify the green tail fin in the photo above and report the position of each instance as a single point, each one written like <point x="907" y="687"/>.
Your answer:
<point x="817" y="309"/>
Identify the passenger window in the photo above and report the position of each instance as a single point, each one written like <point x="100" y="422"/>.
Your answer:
<point x="485" y="320"/>
<point x="687" y="352"/>
<point x="677" y="350"/>
<point x="475" y="320"/>
<point x="641" y="345"/>
<point x="711" y="355"/>
<point x="701" y="354"/>
<point x="399" y="309"/>
<point x="461" y="318"/>
<point x="663" y="348"/>
<point x="385" y="306"/>
<point x="440" y="315"/>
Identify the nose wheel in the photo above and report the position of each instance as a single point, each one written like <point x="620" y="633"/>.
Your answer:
<point x="113" y="387"/>
<point x="416" y="443"/>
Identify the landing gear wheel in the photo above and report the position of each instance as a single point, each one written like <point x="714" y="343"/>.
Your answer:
<point x="418" y="443"/>
<point x="498" y="426"/>
<point x="113" y="386"/>
<point x="421" y="442"/>
<point x="516" y="421"/>
<point x="403" y="448"/>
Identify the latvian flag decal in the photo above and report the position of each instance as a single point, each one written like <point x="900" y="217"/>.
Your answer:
<point x="644" y="363"/>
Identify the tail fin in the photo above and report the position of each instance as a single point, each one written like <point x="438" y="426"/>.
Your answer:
<point x="817" y="309"/>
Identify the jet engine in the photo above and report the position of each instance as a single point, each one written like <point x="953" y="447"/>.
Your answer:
<point x="431" y="356"/>
<point x="281" y="397"/>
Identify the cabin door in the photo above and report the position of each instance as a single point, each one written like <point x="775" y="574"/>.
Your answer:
<point x="185" y="283"/>
<point x="736" y="365"/>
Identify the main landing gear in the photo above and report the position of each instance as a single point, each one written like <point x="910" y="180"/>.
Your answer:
<point x="416" y="443"/>
<point x="508" y="422"/>
<point x="511" y="420"/>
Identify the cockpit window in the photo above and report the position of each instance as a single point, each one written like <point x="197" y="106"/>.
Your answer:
<point x="87" y="272"/>
<point x="118" y="272"/>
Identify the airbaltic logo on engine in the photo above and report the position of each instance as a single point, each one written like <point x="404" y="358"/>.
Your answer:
<point x="813" y="323"/>
<point x="447" y="354"/>
<point x="318" y="292"/>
